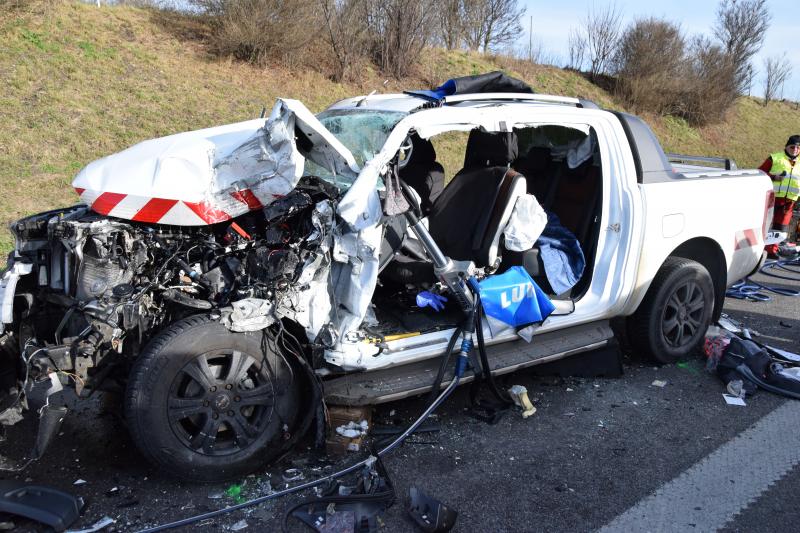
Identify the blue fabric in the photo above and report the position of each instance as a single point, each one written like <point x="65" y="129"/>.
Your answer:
<point x="446" y="89"/>
<point x="561" y="255"/>
<point x="514" y="298"/>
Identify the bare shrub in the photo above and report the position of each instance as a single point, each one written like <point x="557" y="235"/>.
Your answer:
<point x="491" y="23"/>
<point x="345" y="33"/>
<point x="777" y="70"/>
<point x="260" y="30"/>
<point x="710" y="85"/>
<point x="451" y="15"/>
<point x="599" y="38"/>
<point x="649" y="64"/>
<point x="741" y="27"/>
<point x="577" y="49"/>
<point x="398" y="31"/>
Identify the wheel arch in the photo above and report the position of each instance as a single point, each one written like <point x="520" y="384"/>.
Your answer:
<point x="705" y="251"/>
<point x="708" y="253"/>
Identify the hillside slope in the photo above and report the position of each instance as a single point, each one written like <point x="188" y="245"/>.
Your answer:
<point x="78" y="82"/>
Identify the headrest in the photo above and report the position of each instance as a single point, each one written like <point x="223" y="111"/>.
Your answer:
<point x="537" y="159"/>
<point x="489" y="149"/>
<point x="578" y="152"/>
<point x="422" y="151"/>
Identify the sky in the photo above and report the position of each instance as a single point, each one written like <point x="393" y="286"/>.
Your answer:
<point x="552" y="21"/>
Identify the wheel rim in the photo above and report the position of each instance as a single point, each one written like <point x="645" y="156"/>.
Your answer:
<point x="220" y="402"/>
<point x="683" y="315"/>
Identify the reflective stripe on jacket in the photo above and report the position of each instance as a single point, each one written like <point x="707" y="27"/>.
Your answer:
<point x="785" y="183"/>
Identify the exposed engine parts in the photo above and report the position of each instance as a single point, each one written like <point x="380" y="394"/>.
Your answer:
<point x="101" y="287"/>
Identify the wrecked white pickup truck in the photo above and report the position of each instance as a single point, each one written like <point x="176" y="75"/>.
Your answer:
<point x="231" y="281"/>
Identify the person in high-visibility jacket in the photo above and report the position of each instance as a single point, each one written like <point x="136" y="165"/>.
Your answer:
<point x="785" y="174"/>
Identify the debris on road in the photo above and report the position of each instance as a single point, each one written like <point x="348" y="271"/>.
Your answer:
<point x="238" y="526"/>
<point x="659" y="383"/>
<point x="519" y="394"/>
<point x="97" y="526"/>
<point x="40" y="503"/>
<point x="430" y="514"/>
<point x="733" y="400"/>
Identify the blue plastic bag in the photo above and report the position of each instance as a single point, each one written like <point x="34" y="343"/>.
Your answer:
<point x="514" y="298"/>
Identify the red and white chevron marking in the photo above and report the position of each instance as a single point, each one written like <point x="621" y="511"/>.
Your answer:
<point x="167" y="211"/>
<point x="748" y="238"/>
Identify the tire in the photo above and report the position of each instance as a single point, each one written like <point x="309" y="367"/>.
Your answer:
<point x="206" y="404"/>
<point x="671" y="321"/>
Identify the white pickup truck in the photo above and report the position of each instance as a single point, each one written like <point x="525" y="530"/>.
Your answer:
<point x="231" y="280"/>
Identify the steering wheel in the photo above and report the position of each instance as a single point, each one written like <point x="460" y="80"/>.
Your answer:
<point x="404" y="153"/>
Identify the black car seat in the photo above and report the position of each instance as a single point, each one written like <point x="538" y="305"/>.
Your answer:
<point x="466" y="220"/>
<point x="422" y="173"/>
<point x="542" y="173"/>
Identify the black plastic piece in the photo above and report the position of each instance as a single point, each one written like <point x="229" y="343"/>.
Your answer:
<point x="430" y="514"/>
<point x="47" y="505"/>
<point x="50" y="421"/>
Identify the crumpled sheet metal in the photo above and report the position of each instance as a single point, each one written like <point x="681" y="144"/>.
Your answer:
<point x="198" y="177"/>
<point x="249" y="314"/>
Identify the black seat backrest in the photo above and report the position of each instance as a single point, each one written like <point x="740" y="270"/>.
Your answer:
<point x="423" y="173"/>
<point x="540" y="172"/>
<point x="490" y="149"/>
<point x="467" y="218"/>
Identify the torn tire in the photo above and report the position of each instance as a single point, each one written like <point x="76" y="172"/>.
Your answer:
<point x="676" y="311"/>
<point x="207" y="404"/>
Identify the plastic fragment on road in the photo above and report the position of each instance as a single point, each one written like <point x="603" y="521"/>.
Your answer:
<point x="733" y="400"/>
<point x="238" y="526"/>
<point x="97" y="526"/>
<point x="520" y="396"/>
<point x="47" y="505"/>
<point x="430" y="514"/>
<point x="236" y="492"/>
<point x="79" y="482"/>
<point x="659" y="383"/>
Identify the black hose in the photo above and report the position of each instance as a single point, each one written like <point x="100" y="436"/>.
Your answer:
<point x="437" y="383"/>
<point x="501" y="395"/>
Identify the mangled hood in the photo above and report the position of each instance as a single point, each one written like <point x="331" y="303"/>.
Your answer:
<point x="212" y="175"/>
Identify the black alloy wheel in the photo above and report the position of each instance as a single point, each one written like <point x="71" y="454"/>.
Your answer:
<point x="683" y="314"/>
<point x="220" y="402"/>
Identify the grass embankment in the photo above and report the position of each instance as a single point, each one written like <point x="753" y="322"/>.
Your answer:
<point x="79" y="82"/>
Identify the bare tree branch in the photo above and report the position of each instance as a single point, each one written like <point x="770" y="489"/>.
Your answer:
<point x="777" y="70"/>
<point x="741" y="27"/>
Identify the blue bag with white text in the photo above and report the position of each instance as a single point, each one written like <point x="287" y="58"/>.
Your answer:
<point x="514" y="298"/>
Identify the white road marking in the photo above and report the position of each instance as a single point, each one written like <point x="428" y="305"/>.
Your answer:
<point x="713" y="491"/>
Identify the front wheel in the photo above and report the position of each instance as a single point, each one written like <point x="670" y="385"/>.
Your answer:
<point x="676" y="311"/>
<point x="207" y="404"/>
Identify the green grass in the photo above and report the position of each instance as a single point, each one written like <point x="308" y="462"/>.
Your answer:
<point x="79" y="82"/>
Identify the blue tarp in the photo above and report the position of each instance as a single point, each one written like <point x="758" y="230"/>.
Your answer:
<point x="514" y="298"/>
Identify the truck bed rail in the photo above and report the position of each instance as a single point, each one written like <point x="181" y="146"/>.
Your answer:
<point x="726" y="163"/>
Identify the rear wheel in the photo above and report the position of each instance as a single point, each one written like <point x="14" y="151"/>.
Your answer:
<point x="206" y="404"/>
<point x="673" y="317"/>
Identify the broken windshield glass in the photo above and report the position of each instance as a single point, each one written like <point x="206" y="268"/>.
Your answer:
<point x="362" y="131"/>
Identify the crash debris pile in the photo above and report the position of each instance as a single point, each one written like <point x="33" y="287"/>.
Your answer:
<point x="745" y="366"/>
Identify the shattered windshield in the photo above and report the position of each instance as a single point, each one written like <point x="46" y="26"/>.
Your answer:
<point x="362" y="131"/>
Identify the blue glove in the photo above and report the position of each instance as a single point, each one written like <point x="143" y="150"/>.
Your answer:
<point x="432" y="300"/>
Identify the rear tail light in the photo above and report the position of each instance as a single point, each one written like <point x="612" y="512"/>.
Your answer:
<point x="769" y="209"/>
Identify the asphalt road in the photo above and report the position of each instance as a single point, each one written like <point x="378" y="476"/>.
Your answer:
<point x="590" y="457"/>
